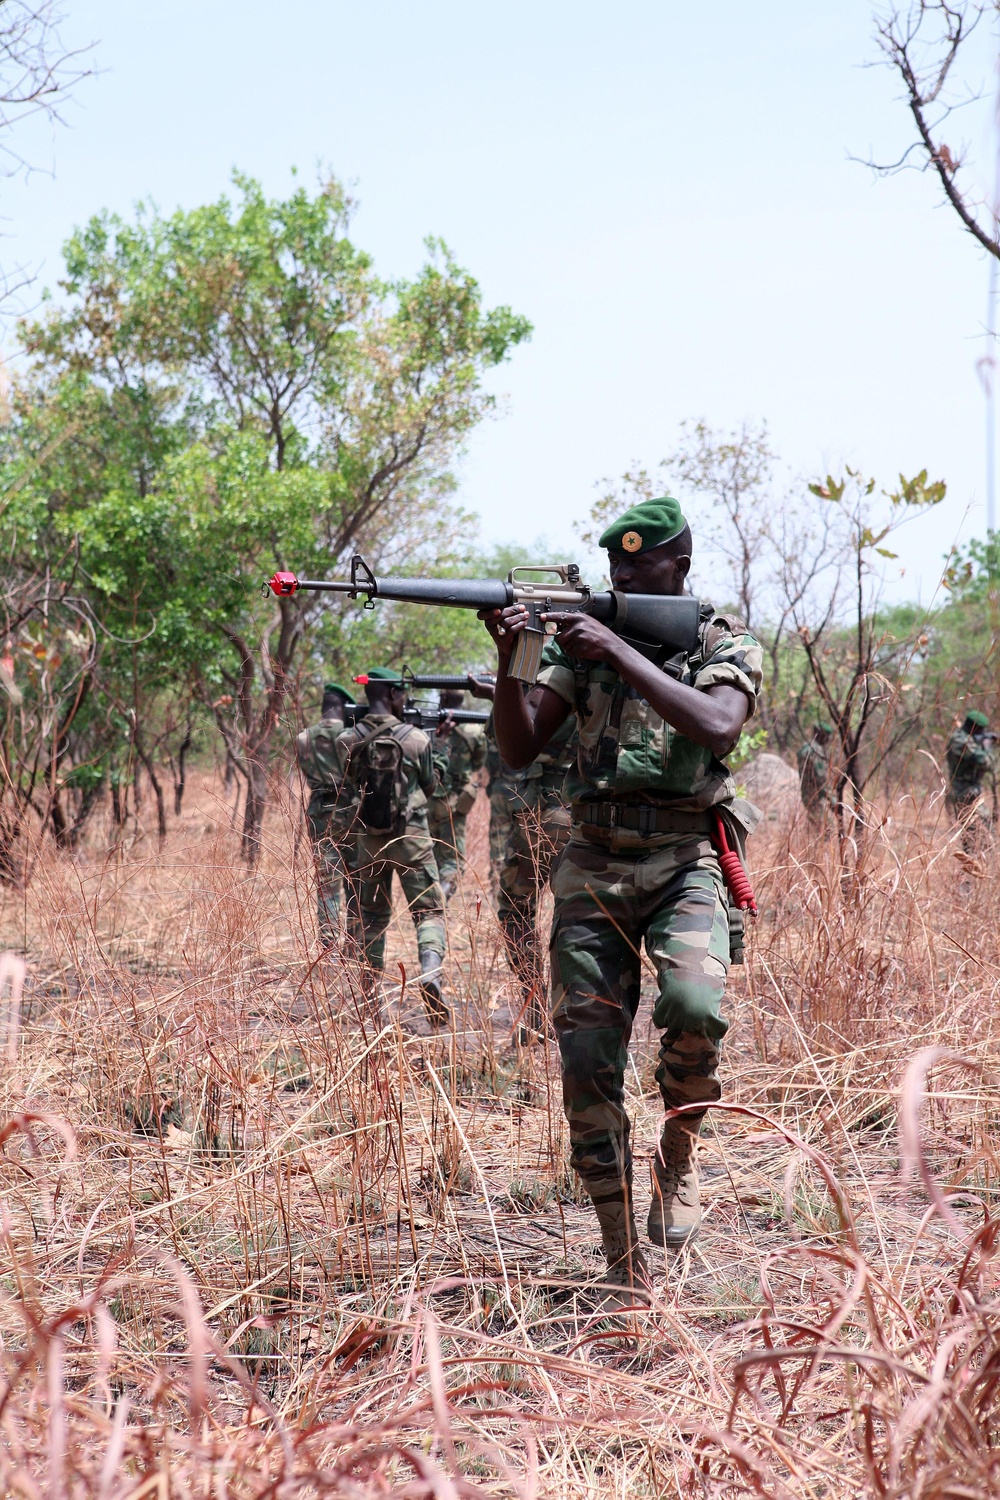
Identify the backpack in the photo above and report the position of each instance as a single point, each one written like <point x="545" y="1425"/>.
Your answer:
<point x="382" y="781"/>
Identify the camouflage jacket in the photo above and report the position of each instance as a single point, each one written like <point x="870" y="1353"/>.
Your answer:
<point x="461" y="756"/>
<point x="626" y="750"/>
<point x="418" y="759"/>
<point x="544" y="776"/>
<point x="969" y="761"/>
<point x="814" y="772"/>
<point x="316" y="753"/>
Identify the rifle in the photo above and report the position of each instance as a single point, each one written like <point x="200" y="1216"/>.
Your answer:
<point x="424" y="718"/>
<point x="651" y="622"/>
<point x="408" y="679"/>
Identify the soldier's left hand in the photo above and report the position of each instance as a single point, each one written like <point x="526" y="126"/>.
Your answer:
<point x="444" y="728"/>
<point x="584" y="637"/>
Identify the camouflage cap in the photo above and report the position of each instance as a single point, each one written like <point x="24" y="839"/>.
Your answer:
<point x="646" y="525"/>
<point x="824" y="726"/>
<point x="335" y="687"/>
<point x="980" y="720"/>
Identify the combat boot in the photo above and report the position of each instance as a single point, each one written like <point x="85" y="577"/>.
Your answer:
<point x="627" y="1277"/>
<point x="437" y="1011"/>
<point x="675" y="1212"/>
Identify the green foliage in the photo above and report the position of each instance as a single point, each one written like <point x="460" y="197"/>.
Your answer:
<point x="224" y="390"/>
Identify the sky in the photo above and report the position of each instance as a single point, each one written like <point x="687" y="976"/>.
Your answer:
<point x="665" y="190"/>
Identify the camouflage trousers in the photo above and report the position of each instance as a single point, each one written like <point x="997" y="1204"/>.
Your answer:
<point x="974" y="815"/>
<point x="329" y="861"/>
<point x="607" y="905"/>
<point x="537" y="837"/>
<point x="447" y="831"/>
<point x="501" y="795"/>
<point x="376" y="858"/>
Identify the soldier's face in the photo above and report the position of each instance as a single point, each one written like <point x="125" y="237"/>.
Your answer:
<point x="652" y="572"/>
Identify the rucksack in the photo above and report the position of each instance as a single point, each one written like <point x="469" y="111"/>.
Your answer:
<point x="382" y="781"/>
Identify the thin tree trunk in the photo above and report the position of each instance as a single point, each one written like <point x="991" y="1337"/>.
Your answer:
<point x="181" y="779"/>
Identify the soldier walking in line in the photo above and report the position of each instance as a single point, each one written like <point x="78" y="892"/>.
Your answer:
<point x="640" y="867"/>
<point x="814" y="772"/>
<point x="387" y="775"/>
<point x="538" y="833"/>
<point x="971" y="762"/>
<point x="460" y="750"/>
<point x="329" y="823"/>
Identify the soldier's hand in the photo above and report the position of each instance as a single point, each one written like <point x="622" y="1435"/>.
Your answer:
<point x="444" y="728"/>
<point x="480" y="688"/>
<point x="504" y="625"/>
<point x="584" y="637"/>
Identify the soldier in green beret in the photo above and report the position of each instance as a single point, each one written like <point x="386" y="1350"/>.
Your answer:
<point x="814" y="771"/>
<point x="388" y="773"/>
<point x="329" y="825"/>
<point x="640" y="868"/>
<point x="971" y="762"/>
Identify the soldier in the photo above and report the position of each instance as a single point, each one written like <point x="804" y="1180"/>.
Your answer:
<point x="539" y="830"/>
<point x="640" y="866"/>
<point x="971" y="762"/>
<point x="814" y="771"/>
<point x="315" y="750"/>
<point x="461" y="752"/>
<point x="388" y="773"/>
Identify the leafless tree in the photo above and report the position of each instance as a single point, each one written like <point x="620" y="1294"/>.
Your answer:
<point x="37" y="71"/>
<point x="925" y="43"/>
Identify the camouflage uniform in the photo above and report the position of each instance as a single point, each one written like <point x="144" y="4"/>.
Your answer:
<point x="410" y="854"/>
<point x="329" y="823"/>
<point x="463" y="753"/>
<point x="501" y="787"/>
<point x="539" y="828"/>
<point x="640" y="867"/>
<point x="970" y="763"/>
<point x="814" y="776"/>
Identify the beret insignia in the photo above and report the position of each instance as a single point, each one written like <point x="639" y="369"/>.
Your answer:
<point x="631" y="541"/>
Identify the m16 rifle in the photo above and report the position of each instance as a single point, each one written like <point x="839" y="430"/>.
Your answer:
<point x="412" y="680"/>
<point x="650" y="622"/>
<point x="423" y="717"/>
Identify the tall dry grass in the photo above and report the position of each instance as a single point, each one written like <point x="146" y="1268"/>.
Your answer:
<point x="254" y="1245"/>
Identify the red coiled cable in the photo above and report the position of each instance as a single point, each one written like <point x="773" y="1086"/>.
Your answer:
<point x="733" y="873"/>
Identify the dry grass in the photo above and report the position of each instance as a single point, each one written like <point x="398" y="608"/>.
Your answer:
<point x="253" y="1246"/>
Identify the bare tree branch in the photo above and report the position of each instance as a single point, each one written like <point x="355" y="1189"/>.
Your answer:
<point x="923" y="43"/>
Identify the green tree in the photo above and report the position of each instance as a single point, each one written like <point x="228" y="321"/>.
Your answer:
<point x="256" y="334"/>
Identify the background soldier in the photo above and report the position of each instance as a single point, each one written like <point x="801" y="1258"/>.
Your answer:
<point x="460" y="752"/>
<point x="814" y="771"/>
<point x="388" y="773"/>
<point x="329" y="822"/>
<point x="640" y="867"/>
<point x="971" y="761"/>
<point x="539" y="828"/>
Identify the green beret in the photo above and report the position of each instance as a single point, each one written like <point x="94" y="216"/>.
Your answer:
<point x="383" y="674"/>
<point x="824" y="726"/>
<point x="646" y="525"/>
<point x="335" y="687"/>
<point x="975" y="717"/>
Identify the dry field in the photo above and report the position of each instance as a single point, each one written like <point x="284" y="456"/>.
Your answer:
<point x="254" y="1246"/>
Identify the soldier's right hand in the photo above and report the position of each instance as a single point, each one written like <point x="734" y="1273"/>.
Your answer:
<point x="504" y="625"/>
<point x="480" y="688"/>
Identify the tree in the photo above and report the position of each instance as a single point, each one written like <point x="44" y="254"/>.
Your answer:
<point x="856" y="664"/>
<point x="268" y="385"/>
<point x="925" y="43"/>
